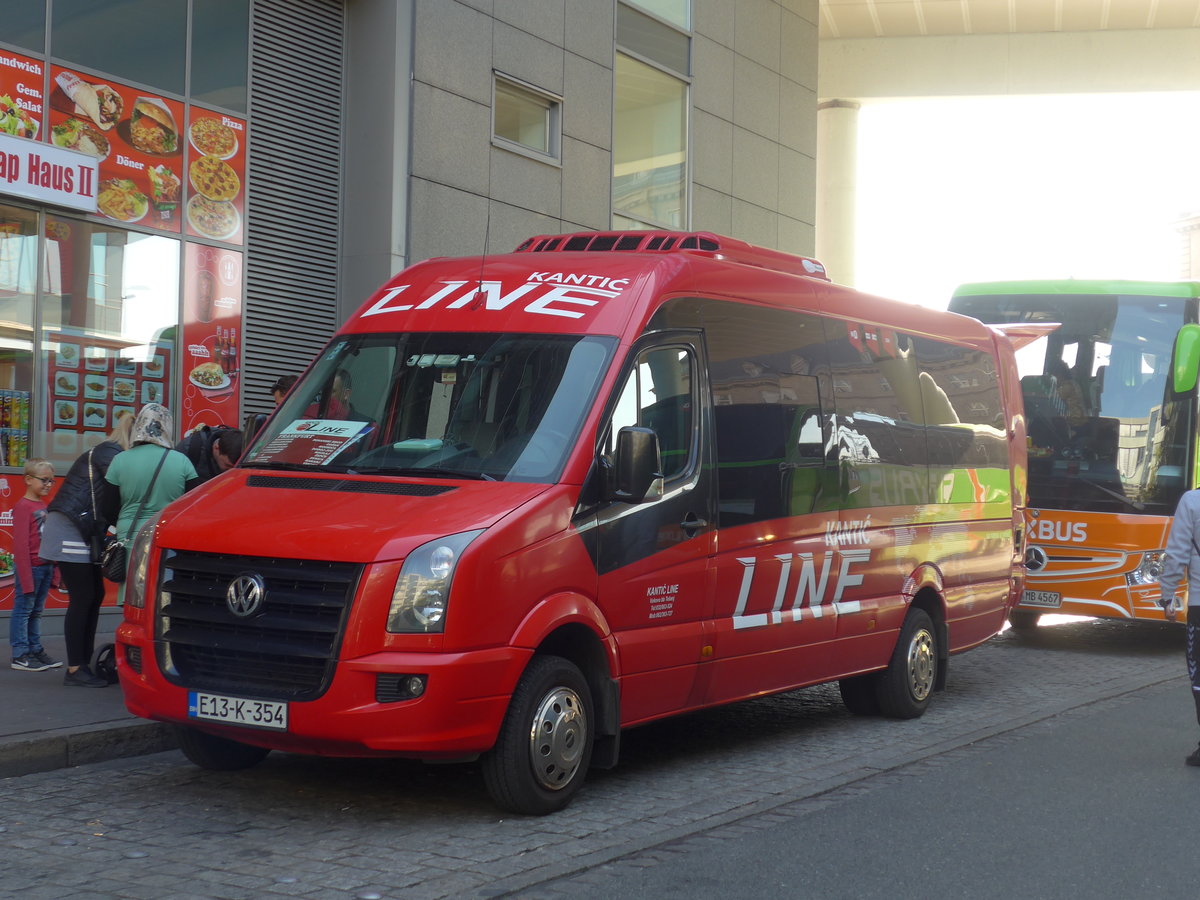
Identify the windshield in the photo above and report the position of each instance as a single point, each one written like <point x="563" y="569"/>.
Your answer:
<point x="1106" y="434"/>
<point x="484" y="406"/>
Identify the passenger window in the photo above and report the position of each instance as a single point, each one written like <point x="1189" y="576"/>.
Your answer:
<point x="658" y="395"/>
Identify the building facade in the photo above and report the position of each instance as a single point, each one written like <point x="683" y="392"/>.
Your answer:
<point x="246" y="172"/>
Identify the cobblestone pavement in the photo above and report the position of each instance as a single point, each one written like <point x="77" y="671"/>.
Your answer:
<point x="295" y="826"/>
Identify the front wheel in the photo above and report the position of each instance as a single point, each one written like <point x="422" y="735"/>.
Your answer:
<point x="217" y="753"/>
<point x="859" y="694"/>
<point x="1023" y="621"/>
<point x="906" y="685"/>
<point x="545" y="742"/>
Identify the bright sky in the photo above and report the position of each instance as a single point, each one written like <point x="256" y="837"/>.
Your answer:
<point x="952" y="190"/>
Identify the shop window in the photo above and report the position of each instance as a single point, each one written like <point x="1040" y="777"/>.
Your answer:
<point x="18" y="281"/>
<point x="649" y="145"/>
<point x="24" y="24"/>
<point x="526" y="120"/>
<point x="142" y="41"/>
<point x="109" y="311"/>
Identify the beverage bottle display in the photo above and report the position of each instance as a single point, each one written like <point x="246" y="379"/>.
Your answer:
<point x="233" y="352"/>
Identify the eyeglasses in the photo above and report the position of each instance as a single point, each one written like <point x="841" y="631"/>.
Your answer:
<point x="42" y="480"/>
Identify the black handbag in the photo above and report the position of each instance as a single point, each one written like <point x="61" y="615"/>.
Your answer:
<point x="114" y="558"/>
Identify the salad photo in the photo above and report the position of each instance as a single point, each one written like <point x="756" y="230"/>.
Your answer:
<point x="16" y="121"/>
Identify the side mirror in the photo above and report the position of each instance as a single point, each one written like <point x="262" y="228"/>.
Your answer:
<point x="637" y="471"/>
<point x="1187" y="359"/>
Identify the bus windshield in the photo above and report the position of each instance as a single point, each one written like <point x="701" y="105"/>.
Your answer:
<point x="1106" y="433"/>
<point x="438" y="405"/>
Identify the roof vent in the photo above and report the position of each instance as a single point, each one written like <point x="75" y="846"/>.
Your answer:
<point x="725" y="248"/>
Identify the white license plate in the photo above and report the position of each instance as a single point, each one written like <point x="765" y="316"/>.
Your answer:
<point x="1041" y="598"/>
<point x="238" y="711"/>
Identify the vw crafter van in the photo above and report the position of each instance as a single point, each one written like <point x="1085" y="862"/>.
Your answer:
<point x="522" y="502"/>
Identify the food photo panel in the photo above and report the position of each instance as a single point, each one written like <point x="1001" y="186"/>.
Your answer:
<point x="135" y="136"/>
<point x="216" y="176"/>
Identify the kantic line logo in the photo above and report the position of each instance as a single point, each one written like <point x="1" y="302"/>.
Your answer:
<point x="545" y="293"/>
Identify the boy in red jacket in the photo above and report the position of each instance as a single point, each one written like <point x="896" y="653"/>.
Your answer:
<point x="34" y="574"/>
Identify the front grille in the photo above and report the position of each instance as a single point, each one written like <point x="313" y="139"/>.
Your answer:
<point x="286" y="650"/>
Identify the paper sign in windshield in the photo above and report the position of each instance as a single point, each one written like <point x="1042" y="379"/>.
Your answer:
<point x="312" y="442"/>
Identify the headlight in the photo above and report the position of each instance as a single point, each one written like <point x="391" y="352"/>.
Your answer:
<point x="139" y="562"/>
<point x="1149" y="571"/>
<point x="423" y="587"/>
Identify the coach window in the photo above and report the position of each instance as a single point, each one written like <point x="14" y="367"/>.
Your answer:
<point x="658" y="395"/>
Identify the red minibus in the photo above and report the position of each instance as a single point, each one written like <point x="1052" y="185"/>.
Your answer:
<point x="521" y="502"/>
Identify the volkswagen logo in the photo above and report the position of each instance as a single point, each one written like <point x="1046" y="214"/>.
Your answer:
<point x="1035" y="559"/>
<point x="245" y="595"/>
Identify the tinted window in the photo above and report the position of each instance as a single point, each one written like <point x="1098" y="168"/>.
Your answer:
<point x="961" y="397"/>
<point x="767" y="416"/>
<point x="24" y="24"/>
<point x="220" y="49"/>
<point x="141" y="41"/>
<point x="879" y="421"/>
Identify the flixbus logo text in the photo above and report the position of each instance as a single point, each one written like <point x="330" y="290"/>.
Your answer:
<point x="1062" y="532"/>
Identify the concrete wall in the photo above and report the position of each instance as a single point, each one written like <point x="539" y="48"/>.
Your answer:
<point x="753" y="126"/>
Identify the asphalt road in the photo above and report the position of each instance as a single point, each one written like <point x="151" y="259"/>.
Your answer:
<point x="1047" y="760"/>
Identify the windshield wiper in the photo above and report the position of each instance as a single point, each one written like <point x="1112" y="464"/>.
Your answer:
<point x="431" y="472"/>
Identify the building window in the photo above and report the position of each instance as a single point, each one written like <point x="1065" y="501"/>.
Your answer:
<point x="677" y="12"/>
<point x="650" y="121"/>
<point x="526" y="120"/>
<point x="649" y="147"/>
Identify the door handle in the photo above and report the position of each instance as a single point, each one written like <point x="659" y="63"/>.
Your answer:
<point x="692" y="524"/>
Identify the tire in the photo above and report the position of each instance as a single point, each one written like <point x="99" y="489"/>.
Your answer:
<point x="545" y="743"/>
<point x="217" y="753"/>
<point x="906" y="685"/>
<point x="1023" y="621"/>
<point x="859" y="694"/>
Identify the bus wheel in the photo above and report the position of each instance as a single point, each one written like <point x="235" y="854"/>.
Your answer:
<point x="217" y="753"/>
<point x="1023" y="620"/>
<point x="858" y="694"/>
<point x="907" y="683"/>
<point x="545" y="742"/>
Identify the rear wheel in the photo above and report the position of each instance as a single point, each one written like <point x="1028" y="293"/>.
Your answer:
<point x="906" y="685"/>
<point x="545" y="743"/>
<point x="858" y="694"/>
<point x="217" y="753"/>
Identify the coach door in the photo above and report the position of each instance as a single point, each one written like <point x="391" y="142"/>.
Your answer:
<point x="653" y="557"/>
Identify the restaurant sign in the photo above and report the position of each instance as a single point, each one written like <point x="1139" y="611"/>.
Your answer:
<point x="50" y="174"/>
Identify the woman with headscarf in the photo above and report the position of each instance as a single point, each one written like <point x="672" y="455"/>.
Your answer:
<point x="72" y="538"/>
<point x="141" y="481"/>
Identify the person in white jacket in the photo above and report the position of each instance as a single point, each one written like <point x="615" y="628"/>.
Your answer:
<point x="1183" y="553"/>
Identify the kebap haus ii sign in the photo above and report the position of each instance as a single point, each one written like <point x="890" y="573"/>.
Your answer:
<point x="49" y="174"/>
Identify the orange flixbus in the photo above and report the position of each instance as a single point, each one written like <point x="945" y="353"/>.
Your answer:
<point x="1110" y="396"/>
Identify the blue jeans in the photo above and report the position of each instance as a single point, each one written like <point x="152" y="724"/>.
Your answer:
<point x="25" y="626"/>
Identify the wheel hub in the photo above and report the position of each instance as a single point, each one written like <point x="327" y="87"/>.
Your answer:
<point x="921" y="665"/>
<point x="557" y="738"/>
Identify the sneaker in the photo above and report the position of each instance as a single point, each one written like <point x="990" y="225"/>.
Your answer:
<point x="83" y="677"/>
<point x="1194" y="759"/>
<point x="46" y="659"/>
<point x="29" y="663"/>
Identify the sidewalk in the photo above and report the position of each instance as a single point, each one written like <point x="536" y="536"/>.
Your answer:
<point x="44" y="725"/>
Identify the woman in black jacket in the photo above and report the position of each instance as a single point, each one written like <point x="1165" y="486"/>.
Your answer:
<point x="72" y="535"/>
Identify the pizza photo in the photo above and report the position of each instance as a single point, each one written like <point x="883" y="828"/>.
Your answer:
<point x="214" y="178"/>
<point x="213" y="218"/>
<point x="213" y="138"/>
